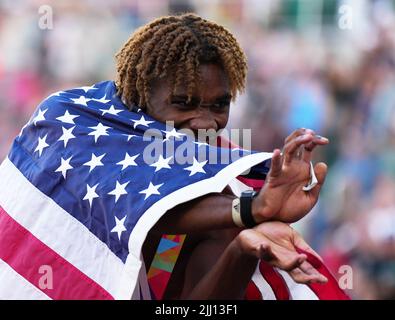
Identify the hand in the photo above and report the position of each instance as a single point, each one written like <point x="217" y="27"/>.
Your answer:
<point x="282" y="197"/>
<point x="275" y="242"/>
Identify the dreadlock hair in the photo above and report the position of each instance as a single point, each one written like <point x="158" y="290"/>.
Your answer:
<point x="175" y="47"/>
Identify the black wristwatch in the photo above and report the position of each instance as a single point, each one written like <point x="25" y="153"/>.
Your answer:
<point x="245" y="208"/>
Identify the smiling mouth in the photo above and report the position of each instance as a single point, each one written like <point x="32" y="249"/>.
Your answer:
<point x="207" y="136"/>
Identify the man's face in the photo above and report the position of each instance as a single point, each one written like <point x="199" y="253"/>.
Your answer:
<point x="208" y="108"/>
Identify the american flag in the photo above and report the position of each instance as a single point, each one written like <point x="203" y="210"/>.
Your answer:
<point x="78" y="195"/>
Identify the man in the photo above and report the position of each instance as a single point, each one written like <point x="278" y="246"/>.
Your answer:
<point x="73" y="176"/>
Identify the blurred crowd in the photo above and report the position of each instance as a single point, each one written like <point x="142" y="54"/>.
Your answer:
<point x="328" y="65"/>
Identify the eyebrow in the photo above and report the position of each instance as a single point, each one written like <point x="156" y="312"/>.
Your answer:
<point x="226" y="96"/>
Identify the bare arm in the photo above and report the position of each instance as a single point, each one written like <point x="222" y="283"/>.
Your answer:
<point x="215" y="272"/>
<point x="282" y="197"/>
<point x="211" y="212"/>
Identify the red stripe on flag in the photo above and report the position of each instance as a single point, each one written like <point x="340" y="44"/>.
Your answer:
<point x="256" y="184"/>
<point x="252" y="292"/>
<point x="329" y="290"/>
<point x="275" y="280"/>
<point x="23" y="252"/>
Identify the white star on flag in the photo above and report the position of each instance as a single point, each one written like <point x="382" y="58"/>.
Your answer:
<point x="128" y="161"/>
<point x="67" y="118"/>
<point x="40" y="116"/>
<point x="112" y="111"/>
<point x="141" y="122"/>
<point x="42" y="144"/>
<point x="81" y="100"/>
<point x="94" y="162"/>
<point x="119" y="226"/>
<point x="67" y="135"/>
<point x="196" y="167"/>
<point x="161" y="163"/>
<point x="99" y="130"/>
<point x="152" y="189"/>
<point x="199" y="144"/>
<point x="172" y="133"/>
<point x="102" y="100"/>
<point x="64" y="166"/>
<point x="130" y="136"/>
<point x="119" y="190"/>
<point x="86" y="88"/>
<point x="91" y="193"/>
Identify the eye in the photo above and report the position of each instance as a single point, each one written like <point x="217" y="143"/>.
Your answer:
<point x="220" y="106"/>
<point x="184" y="104"/>
<point x="180" y="104"/>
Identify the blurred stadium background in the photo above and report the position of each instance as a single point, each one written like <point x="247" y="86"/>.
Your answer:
<point x="307" y="68"/>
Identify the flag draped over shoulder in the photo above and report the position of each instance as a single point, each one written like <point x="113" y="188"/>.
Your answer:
<point x="82" y="186"/>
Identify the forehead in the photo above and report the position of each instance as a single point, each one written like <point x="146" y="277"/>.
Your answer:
<point x="214" y="82"/>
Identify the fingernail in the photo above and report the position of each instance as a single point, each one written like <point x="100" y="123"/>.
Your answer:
<point x="321" y="137"/>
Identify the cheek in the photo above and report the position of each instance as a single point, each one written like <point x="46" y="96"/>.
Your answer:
<point x="160" y="112"/>
<point x="221" y="119"/>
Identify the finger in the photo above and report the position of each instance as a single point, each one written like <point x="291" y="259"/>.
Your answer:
<point x="276" y="164"/>
<point x="265" y="253"/>
<point x="320" y="170"/>
<point x="309" y="147"/>
<point x="291" y="147"/>
<point x="299" y="276"/>
<point x="297" y="133"/>
<point x="315" y="275"/>
<point x="289" y="261"/>
<point x="299" y="152"/>
<point x="279" y="256"/>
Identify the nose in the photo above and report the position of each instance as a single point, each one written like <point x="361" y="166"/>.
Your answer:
<point x="203" y="120"/>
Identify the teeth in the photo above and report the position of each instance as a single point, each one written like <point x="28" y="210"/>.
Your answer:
<point x="313" y="179"/>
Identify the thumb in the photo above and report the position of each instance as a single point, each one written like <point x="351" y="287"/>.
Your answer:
<point x="320" y="170"/>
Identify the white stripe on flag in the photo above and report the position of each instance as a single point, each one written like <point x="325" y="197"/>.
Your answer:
<point x="238" y="187"/>
<point x="15" y="287"/>
<point x="52" y="225"/>
<point x="298" y="291"/>
<point x="265" y="289"/>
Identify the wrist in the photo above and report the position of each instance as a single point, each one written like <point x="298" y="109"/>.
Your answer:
<point x="241" y="246"/>
<point x="256" y="210"/>
<point x="259" y="211"/>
